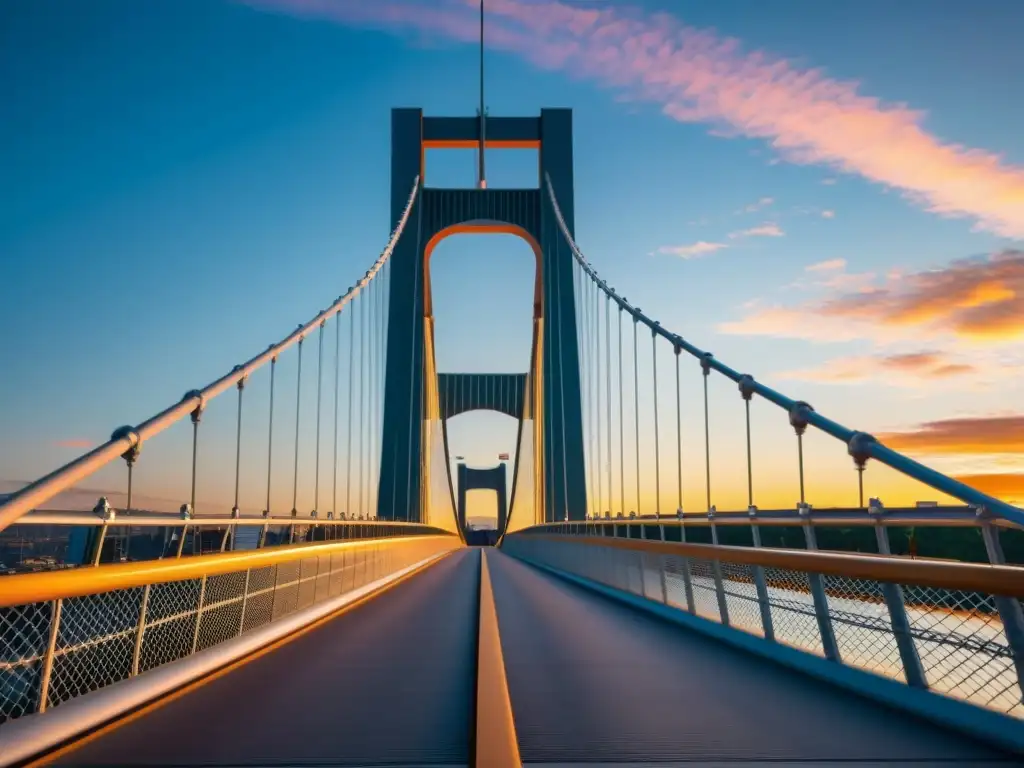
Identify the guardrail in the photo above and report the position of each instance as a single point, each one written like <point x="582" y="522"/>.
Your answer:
<point x="67" y="633"/>
<point x="944" y="626"/>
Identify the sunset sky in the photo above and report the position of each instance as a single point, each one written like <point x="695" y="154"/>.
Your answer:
<point x="829" y="196"/>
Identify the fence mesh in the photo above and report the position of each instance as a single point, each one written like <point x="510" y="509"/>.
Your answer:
<point x="103" y="638"/>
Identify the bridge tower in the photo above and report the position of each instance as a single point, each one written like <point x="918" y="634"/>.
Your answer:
<point x="413" y="441"/>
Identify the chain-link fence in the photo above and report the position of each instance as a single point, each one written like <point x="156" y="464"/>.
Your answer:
<point x="960" y="643"/>
<point x="54" y="651"/>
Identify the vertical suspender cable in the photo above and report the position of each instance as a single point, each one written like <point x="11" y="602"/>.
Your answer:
<point x="597" y="385"/>
<point x="608" y="387"/>
<point x="679" y="436"/>
<point x="337" y="387"/>
<point x="415" y="424"/>
<point x="750" y="466"/>
<point x="348" y="425"/>
<point x="362" y="393"/>
<point x="238" y="446"/>
<point x="298" y="411"/>
<point x="270" y="433"/>
<point x="622" y="445"/>
<point x="319" y="388"/>
<point x="657" y="444"/>
<point x="707" y="439"/>
<point x="636" y="411"/>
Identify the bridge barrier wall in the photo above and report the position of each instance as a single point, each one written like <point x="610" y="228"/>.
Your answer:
<point x="70" y="633"/>
<point x="923" y="635"/>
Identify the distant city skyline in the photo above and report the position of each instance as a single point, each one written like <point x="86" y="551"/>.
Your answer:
<point x="827" y="196"/>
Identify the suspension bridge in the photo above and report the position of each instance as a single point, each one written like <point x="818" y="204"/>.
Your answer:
<point x="609" y="624"/>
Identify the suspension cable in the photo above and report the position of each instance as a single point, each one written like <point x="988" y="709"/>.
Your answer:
<point x="270" y="435"/>
<point x="597" y="385"/>
<point x="298" y="411"/>
<point x="337" y="387"/>
<point x="561" y="379"/>
<point x="348" y="425"/>
<point x="679" y="437"/>
<point x="362" y="394"/>
<point x="636" y="412"/>
<point x="238" y="446"/>
<point x="657" y="445"/>
<point x="319" y="388"/>
<point x="608" y="389"/>
<point x="707" y="440"/>
<point x="622" y="444"/>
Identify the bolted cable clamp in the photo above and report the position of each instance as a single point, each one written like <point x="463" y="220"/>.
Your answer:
<point x="185" y="513"/>
<point x="241" y="381"/>
<point x="859" y="447"/>
<point x="705" y="363"/>
<point x="876" y="507"/>
<point x="133" y="451"/>
<point x="197" y="412"/>
<point x="803" y="509"/>
<point x="104" y="510"/>
<point x="747" y="386"/>
<point x="799" y="416"/>
<point x="752" y="511"/>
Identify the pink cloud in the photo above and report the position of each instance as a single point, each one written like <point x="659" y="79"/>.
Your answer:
<point x="828" y="214"/>
<point x="697" y="76"/>
<point x="689" y="251"/>
<point x="768" y="229"/>
<point x="826" y="266"/>
<point x="976" y="299"/>
<point x="904" y="369"/>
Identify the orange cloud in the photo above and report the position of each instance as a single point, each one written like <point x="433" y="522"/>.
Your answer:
<point x="826" y="266"/>
<point x="698" y="76"/>
<point x="75" y="442"/>
<point x="968" y="435"/>
<point x="979" y="299"/>
<point x="904" y="369"/>
<point x="1005" y="486"/>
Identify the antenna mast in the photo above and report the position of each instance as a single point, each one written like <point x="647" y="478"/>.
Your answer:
<point x="483" y="115"/>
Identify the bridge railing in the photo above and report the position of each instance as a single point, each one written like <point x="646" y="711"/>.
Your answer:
<point x="64" y="634"/>
<point x="65" y="539"/>
<point x="949" y="627"/>
<point x="861" y="446"/>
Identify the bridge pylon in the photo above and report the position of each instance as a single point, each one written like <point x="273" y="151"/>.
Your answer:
<point x="415" y="478"/>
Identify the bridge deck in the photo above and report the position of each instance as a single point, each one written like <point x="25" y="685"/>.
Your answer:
<point x="391" y="682"/>
<point x="593" y="680"/>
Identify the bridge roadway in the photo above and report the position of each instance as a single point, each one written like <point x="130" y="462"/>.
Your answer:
<point x="392" y="682"/>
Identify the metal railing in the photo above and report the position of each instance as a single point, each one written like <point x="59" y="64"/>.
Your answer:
<point x="949" y="627"/>
<point x="66" y="633"/>
<point x="127" y="441"/>
<point x="860" y="445"/>
<point x="110" y="535"/>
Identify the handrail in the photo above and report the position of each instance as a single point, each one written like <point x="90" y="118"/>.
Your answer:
<point x="168" y="520"/>
<point x="944" y="574"/>
<point x="859" y="444"/>
<point x="126" y="439"/>
<point x="26" y="588"/>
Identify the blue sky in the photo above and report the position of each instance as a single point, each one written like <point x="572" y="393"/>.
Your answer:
<point x="186" y="181"/>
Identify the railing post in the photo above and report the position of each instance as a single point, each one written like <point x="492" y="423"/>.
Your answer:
<point x="661" y="567"/>
<point x="716" y="569"/>
<point x="107" y="512"/>
<point x="199" y="614"/>
<point x="1009" y="607"/>
<point x="140" y="630"/>
<point x="817" y="584"/>
<point x="245" y="600"/>
<point x="687" y="579"/>
<point x="759" y="582"/>
<point x="51" y="648"/>
<point x="894" y="601"/>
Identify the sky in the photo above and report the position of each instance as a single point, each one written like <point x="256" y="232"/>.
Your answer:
<point x="829" y="196"/>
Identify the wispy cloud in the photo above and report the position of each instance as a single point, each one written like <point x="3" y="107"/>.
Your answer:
<point x="967" y="435"/>
<point x="826" y="266"/>
<point x="75" y="442"/>
<point x="695" y="75"/>
<point x="764" y="202"/>
<point x="768" y="229"/>
<point x="828" y="182"/>
<point x="828" y="214"/>
<point x="975" y="299"/>
<point x="904" y="369"/>
<point x="699" y="248"/>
